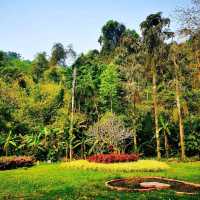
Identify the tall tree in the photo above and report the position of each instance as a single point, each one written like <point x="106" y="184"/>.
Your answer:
<point x="40" y="64"/>
<point x="71" y="135"/>
<point x="109" y="86"/>
<point x="154" y="33"/>
<point x="58" y="55"/>
<point x="175" y="54"/>
<point x="111" y="33"/>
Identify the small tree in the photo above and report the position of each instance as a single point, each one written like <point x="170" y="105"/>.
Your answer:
<point x="108" y="132"/>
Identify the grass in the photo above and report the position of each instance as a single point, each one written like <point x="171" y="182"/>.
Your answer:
<point x="141" y="165"/>
<point x="53" y="181"/>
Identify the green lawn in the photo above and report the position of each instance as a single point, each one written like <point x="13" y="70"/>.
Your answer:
<point x="52" y="181"/>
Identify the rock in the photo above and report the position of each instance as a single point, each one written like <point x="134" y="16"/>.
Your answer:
<point x="156" y="185"/>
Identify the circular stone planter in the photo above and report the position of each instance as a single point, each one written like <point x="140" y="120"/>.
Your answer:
<point x="146" y="184"/>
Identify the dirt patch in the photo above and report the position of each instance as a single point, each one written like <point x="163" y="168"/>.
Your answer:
<point x="134" y="185"/>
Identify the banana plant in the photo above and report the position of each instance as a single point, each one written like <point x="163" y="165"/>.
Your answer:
<point x="165" y="129"/>
<point x="34" y="141"/>
<point x="9" y="142"/>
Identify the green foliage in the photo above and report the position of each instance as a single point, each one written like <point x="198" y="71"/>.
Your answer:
<point x="154" y="32"/>
<point x="109" y="86"/>
<point x="40" y="64"/>
<point x="10" y="73"/>
<point x="111" y="33"/>
<point x="192" y="129"/>
<point x="113" y="91"/>
<point x="58" y="55"/>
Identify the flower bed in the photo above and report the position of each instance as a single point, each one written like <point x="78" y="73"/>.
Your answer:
<point x="15" y="162"/>
<point x="139" y="166"/>
<point x="113" y="158"/>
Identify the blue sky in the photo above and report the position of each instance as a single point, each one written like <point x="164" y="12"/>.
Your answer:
<point x="31" y="26"/>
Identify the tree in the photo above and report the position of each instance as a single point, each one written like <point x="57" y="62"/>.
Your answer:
<point x="176" y="57"/>
<point x="58" y="55"/>
<point x="130" y="41"/>
<point x="71" y="135"/>
<point x="154" y="35"/>
<point x="108" y="131"/>
<point x="111" y="33"/>
<point x="189" y="18"/>
<point x="89" y="70"/>
<point x="6" y="58"/>
<point x="109" y="86"/>
<point x="40" y="64"/>
<point x="3" y="59"/>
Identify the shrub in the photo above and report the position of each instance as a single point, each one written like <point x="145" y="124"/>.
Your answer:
<point x="15" y="162"/>
<point x="113" y="158"/>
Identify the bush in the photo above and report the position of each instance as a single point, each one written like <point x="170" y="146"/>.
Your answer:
<point x="15" y="162"/>
<point x="113" y="158"/>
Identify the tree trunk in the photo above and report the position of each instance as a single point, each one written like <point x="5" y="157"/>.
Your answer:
<point x="135" y="141"/>
<point x="72" y="114"/>
<point x="156" y="114"/>
<point x="166" y="145"/>
<point x="66" y="153"/>
<point x="111" y="104"/>
<point x="178" y="104"/>
<point x="6" y="151"/>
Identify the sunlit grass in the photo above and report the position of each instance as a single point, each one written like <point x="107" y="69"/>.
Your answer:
<point x="141" y="165"/>
<point x="56" y="181"/>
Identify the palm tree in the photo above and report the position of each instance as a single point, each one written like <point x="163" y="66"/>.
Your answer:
<point x="154" y="35"/>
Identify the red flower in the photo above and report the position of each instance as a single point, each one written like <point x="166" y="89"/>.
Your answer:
<point x="113" y="158"/>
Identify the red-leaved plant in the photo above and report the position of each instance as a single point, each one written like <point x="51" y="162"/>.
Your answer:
<point x="15" y="162"/>
<point x="113" y="158"/>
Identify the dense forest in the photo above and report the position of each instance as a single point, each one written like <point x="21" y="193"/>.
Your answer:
<point x="138" y="93"/>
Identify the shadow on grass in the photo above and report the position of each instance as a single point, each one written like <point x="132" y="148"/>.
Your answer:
<point x="71" y="193"/>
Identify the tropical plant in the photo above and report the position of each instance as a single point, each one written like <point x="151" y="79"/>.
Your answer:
<point x="9" y="142"/>
<point x="165" y="129"/>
